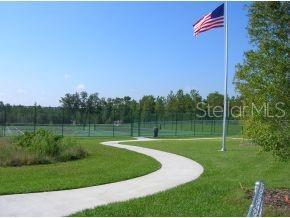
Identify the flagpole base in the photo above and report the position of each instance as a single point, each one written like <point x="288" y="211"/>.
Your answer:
<point x="223" y="149"/>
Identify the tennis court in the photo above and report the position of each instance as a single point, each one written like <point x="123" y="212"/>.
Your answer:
<point x="166" y="128"/>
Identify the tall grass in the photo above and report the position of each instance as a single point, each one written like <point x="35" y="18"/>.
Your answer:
<point x="40" y="147"/>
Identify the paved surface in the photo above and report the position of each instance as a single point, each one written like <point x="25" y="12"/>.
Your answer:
<point x="175" y="170"/>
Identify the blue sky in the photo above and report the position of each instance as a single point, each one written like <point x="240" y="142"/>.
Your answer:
<point x="115" y="49"/>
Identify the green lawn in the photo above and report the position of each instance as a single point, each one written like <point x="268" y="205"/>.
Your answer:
<point x="103" y="165"/>
<point x="217" y="192"/>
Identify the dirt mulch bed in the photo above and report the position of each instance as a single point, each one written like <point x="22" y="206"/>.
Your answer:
<point x="276" y="198"/>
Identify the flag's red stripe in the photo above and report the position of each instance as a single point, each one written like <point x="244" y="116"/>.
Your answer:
<point x="213" y="23"/>
<point x="206" y="29"/>
<point x="210" y="23"/>
<point x="213" y="20"/>
<point x="209" y="20"/>
<point x="206" y="23"/>
<point x="202" y="20"/>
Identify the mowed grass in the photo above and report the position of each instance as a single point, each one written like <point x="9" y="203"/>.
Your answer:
<point x="103" y="165"/>
<point x="220" y="191"/>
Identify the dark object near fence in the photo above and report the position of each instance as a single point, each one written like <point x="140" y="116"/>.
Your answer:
<point x="155" y="132"/>
<point x="256" y="207"/>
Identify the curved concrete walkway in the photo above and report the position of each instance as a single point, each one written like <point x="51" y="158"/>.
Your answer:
<point x="175" y="170"/>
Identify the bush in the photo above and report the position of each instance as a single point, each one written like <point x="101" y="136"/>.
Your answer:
<point x="270" y="138"/>
<point x="41" y="141"/>
<point x="72" y="153"/>
<point x="39" y="147"/>
<point x="70" y="150"/>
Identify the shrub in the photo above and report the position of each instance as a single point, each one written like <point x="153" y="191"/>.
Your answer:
<point x="41" y="141"/>
<point x="72" y="153"/>
<point x="270" y="138"/>
<point x="71" y="150"/>
<point x="39" y="147"/>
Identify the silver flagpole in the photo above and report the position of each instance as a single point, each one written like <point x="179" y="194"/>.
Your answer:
<point x="226" y="78"/>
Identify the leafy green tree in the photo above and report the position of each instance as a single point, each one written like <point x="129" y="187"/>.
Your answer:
<point x="126" y="109"/>
<point x="262" y="78"/>
<point x="195" y="99"/>
<point x="188" y="103"/>
<point x="180" y="101"/>
<point x="195" y="96"/>
<point x="215" y="99"/>
<point x="147" y="105"/>
<point x="160" y="107"/>
<point x="71" y="103"/>
<point x="215" y="103"/>
<point x="171" y="102"/>
<point x="235" y="107"/>
<point x="107" y="111"/>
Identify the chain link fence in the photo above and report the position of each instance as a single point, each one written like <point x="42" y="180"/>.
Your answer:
<point x="113" y="122"/>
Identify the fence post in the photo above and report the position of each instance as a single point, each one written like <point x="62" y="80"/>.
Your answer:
<point x="181" y="122"/>
<point x="132" y="120"/>
<point x="202" y="126"/>
<point x="191" y="121"/>
<point x="242" y="129"/>
<point x="62" y="121"/>
<point x="172" y="118"/>
<point x="175" y="124"/>
<point x="34" y="122"/>
<point x="139" y="122"/>
<point x="89" y="123"/>
<point x="114" y="112"/>
<point x="5" y="119"/>
<point x="256" y="208"/>
<point x="211" y="127"/>
<point x="194" y="128"/>
<point x="97" y="119"/>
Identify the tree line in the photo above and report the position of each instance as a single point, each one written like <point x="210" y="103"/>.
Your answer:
<point x="82" y="107"/>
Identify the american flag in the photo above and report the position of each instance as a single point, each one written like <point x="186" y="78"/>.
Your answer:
<point x="209" y="21"/>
